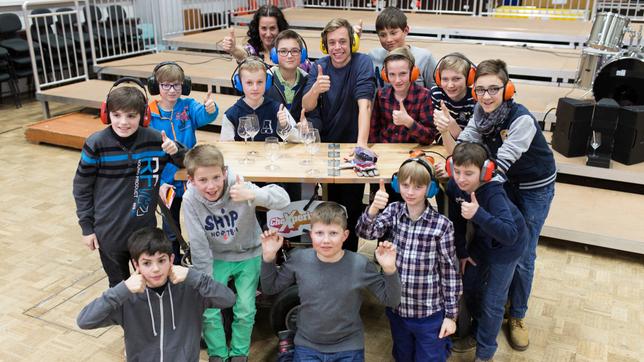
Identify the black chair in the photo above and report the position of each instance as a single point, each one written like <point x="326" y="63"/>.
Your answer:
<point x="8" y="76"/>
<point x="18" y="47"/>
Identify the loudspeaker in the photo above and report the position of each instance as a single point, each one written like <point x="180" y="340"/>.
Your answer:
<point x="570" y="137"/>
<point x="629" y="136"/>
<point x="603" y="126"/>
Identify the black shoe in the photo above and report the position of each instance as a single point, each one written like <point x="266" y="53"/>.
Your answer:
<point x="464" y="344"/>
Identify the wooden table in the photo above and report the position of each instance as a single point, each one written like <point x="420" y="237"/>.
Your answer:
<point x="390" y="156"/>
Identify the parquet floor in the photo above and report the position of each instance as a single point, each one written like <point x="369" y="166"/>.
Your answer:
<point x="587" y="303"/>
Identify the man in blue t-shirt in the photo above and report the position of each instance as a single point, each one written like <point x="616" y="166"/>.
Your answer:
<point x="342" y="113"/>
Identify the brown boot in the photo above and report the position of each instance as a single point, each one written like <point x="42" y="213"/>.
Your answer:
<point x="518" y="334"/>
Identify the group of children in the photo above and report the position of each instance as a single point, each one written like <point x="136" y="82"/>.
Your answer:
<point x="499" y="179"/>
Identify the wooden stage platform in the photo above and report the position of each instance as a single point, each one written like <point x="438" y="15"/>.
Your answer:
<point x="464" y="28"/>
<point x="550" y="65"/>
<point x="586" y="215"/>
<point x="216" y="70"/>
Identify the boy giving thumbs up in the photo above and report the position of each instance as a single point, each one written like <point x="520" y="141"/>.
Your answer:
<point x="402" y="113"/>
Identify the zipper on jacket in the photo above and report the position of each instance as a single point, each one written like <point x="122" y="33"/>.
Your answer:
<point x="162" y="325"/>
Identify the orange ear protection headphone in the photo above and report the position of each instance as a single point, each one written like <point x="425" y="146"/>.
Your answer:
<point x="145" y="112"/>
<point x="487" y="170"/>
<point x="471" y="72"/>
<point x="413" y="74"/>
<point x="508" y="89"/>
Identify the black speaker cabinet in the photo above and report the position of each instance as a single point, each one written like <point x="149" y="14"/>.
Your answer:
<point x="570" y="137"/>
<point x="629" y="136"/>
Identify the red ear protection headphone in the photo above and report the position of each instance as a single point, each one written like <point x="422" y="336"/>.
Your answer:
<point x="508" y="89"/>
<point x="487" y="170"/>
<point x="145" y="112"/>
<point x="471" y="72"/>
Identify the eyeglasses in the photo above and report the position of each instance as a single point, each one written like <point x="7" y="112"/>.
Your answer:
<point x="284" y="52"/>
<point x="492" y="91"/>
<point x="167" y="86"/>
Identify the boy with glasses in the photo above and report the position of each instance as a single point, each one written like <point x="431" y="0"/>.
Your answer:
<point x="289" y="79"/>
<point x="179" y="117"/>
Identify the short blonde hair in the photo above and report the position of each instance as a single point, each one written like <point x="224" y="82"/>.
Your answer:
<point x="415" y="172"/>
<point x="329" y="213"/>
<point x="457" y="63"/>
<point x="252" y="64"/>
<point x="203" y="155"/>
<point x="402" y="53"/>
<point x="169" y="73"/>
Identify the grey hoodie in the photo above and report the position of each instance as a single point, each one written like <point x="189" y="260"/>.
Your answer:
<point x="224" y="229"/>
<point x="164" y="327"/>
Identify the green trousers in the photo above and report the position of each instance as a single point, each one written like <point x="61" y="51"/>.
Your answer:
<point x="245" y="274"/>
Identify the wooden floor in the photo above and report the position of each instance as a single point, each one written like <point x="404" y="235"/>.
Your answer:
<point x="587" y="302"/>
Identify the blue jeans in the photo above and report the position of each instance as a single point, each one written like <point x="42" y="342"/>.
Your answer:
<point x="416" y="339"/>
<point x="534" y="205"/>
<point x="305" y="354"/>
<point x="485" y="287"/>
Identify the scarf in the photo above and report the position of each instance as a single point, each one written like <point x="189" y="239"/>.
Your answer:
<point x="487" y="122"/>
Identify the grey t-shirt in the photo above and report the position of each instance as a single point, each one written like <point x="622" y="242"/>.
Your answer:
<point x="423" y="59"/>
<point x="329" y="317"/>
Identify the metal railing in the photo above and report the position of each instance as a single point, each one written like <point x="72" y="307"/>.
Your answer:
<point x="537" y="9"/>
<point x="57" y="43"/>
<point x="182" y="17"/>
<point x="634" y="9"/>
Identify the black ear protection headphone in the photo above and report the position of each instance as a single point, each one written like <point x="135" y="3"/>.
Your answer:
<point x="354" y="40"/>
<point x="153" y="82"/>
<point x="488" y="170"/>
<point x="432" y="188"/>
<point x="145" y="111"/>
<point x="471" y="72"/>
<point x="236" y="82"/>
<point x="304" y="52"/>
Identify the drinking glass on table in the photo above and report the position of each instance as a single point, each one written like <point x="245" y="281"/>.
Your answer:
<point x="284" y="130"/>
<point x="272" y="152"/>
<point x="312" y="144"/>
<point x="242" y="131"/>
<point x="253" y="130"/>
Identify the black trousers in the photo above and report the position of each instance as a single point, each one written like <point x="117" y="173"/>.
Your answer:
<point x="116" y="265"/>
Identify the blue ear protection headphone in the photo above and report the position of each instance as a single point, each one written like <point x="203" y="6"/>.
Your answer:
<point x="304" y="53"/>
<point x="432" y="188"/>
<point x="236" y="81"/>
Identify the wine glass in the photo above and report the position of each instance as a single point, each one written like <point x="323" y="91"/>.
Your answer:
<point x="307" y="140"/>
<point x="284" y="130"/>
<point x="312" y="143"/>
<point x="242" y="131"/>
<point x="272" y="152"/>
<point x="253" y="130"/>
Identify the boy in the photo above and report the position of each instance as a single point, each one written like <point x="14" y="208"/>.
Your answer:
<point x="339" y="95"/>
<point x="117" y="180"/>
<point x="288" y="78"/>
<point x="500" y="237"/>
<point x="525" y="160"/>
<point x="253" y="76"/>
<point x="392" y="29"/>
<point x="179" y="118"/>
<point x="410" y="123"/>
<point x="166" y="326"/>
<point x="219" y="212"/>
<point x="452" y="95"/>
<point x="329" y="327"/>
<point x="426" y="261"/>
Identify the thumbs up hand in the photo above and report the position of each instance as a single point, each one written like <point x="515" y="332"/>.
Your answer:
<point x="168" y="145"/>
<point x="380" y="200"/>
<point x="209" y="103"/>
<point x="239" y="192"/>
<point x="358" y="29"/>
<point x="401" y="117"/>
<point x="229" y="42"/>
<point x="443" y="119"/>
<point x="282" y="118"/>
<point x="469" y="209"/>
<point x="322" y="83"/>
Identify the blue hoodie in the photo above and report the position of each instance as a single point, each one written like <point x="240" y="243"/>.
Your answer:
<point x="180" y="125"/>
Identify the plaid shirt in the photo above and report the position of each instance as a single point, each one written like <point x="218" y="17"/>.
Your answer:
<point x="419" y="107"/>
<point x="426" y="259"/>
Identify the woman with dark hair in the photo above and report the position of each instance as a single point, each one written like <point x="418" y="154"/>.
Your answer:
<point x="267" y="22"/>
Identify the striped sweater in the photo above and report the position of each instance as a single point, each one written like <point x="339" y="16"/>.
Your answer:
<point x="116" y="187"/>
